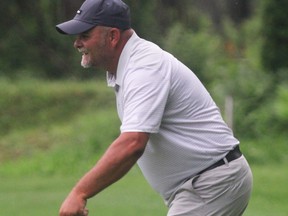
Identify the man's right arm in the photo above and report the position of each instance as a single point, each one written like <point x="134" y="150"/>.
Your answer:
<point x="119" y="158"/>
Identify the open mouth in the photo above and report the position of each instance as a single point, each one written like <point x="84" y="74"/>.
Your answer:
<point x="83" y="51"/>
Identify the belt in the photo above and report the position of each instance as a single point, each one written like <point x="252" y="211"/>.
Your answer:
<point x="232" y="155"/>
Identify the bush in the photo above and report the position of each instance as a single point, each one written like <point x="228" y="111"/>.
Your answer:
<point x="275" y="31"/>
<point x="26" y="104"/>
<point x="194" y="49"/>
<point x="281" y="107"/>
<point x="38" y="115"/>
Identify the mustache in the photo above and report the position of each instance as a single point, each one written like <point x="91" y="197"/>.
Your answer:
<point x="83" y="50"/>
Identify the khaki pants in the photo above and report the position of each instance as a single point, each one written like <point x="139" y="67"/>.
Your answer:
<point x="223" y="191"/>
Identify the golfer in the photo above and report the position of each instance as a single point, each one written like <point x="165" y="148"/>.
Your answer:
<point x="170" y="125"/>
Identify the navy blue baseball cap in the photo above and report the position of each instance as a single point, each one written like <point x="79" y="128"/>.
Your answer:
<point x="111" y="13"/>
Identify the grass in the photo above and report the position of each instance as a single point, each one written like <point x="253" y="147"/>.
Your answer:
<point x="270" y="191"/>
<point x="32" y="195"/>
<point x="70" y="146"/>
<point x="39" y="195"/>
<point x="36" y="195"/>
<point x="52" y="132"/>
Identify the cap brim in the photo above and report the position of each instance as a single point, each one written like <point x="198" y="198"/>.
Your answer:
<point x="73" y="27"/>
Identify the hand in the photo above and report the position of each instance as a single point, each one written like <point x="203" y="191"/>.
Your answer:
<point x="73" y="205"/>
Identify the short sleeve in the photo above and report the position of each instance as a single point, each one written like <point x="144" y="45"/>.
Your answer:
<point x="146" y="92"/>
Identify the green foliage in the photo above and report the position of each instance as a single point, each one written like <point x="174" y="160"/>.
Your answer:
<point x="252" y="40"/>
<point x="54" y="116"/>
<point x="23" y="107"/>
<point x="195" y="49"/>
<point x="241" y="76"/>
<point x="281" y="106"/>
<point x="275" y="30"/>
<point x="30" y="45"/>
<point x="50" y="126"/>
<point x="66" y="148"/>
<point x="228" y="63"/>
<point x="142" y="18"/>
<point x="251" y="91"/>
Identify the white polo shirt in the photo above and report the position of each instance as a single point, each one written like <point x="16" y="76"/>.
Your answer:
<point x="158" y="94"/>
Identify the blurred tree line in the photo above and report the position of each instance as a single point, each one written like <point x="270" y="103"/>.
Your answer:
<point x="238" y="48"/>
<point x="30" y="44"/>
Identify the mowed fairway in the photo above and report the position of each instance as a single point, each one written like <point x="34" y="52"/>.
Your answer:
<point x="29" y="196"/>
<point x="35" y="195"/>
<point x="270" y="191"/>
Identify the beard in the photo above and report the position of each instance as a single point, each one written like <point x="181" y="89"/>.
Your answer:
<point x="93" y="58"/>
<point x="86" y="61"/>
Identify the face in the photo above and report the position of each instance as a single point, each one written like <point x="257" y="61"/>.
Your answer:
<point x="93" y="45"/>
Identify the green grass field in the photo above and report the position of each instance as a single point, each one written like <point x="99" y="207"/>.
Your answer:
<point x="131" y="196"/>
<point x="51" y="133"/>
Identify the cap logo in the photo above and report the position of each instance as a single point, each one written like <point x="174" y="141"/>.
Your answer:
<point x="79" y="11"/>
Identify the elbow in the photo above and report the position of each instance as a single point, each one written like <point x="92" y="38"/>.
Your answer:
<point x="138" y="151"/>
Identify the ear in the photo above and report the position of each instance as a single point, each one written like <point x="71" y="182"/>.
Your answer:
<point x="114" y="36"/>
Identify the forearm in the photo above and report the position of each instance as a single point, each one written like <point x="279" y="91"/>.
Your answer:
<point x="119" y="158"/>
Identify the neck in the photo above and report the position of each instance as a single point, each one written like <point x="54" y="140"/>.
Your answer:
<point x="125" y="36"/>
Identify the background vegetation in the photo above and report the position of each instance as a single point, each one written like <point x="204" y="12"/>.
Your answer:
<point x="57" y="119"/>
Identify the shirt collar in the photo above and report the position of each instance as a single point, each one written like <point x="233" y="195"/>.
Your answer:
<point x="112" y="79"/>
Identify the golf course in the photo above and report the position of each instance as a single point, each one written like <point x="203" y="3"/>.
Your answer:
<point x="52" y="132"/>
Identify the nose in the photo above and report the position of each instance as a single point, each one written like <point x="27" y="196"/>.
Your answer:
<point x="77" y="43"/>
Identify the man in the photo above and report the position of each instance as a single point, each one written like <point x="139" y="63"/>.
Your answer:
<point x="170" y="127"/>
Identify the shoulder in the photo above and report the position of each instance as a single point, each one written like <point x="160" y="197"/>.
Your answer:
<point x="146" y="61"/>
